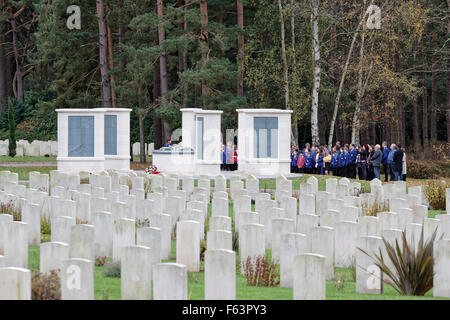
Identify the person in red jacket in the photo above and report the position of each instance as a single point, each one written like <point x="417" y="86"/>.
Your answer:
<point x="301" y="162"/>
<point x="235" y="160"/>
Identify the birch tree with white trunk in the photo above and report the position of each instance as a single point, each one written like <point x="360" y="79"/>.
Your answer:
<point x="316" y="77"/>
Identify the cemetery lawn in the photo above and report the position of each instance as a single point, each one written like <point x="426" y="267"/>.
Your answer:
<point x="109" y="288"/>
<point x="26" y="159"/>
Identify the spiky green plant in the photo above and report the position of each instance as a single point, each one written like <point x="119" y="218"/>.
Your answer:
<point x="412" y="271"/>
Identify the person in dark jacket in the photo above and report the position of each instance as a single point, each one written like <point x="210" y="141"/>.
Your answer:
<point x="347" y="161"/>
<point x="362" y="168"/>
<point x="398" y="165"/>
<point x="384" y="161"/>
<point x="376" y="161"/>
<point x="390" y="160"/>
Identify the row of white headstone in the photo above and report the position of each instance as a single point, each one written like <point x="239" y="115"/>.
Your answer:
<point x="326" y="231"/>
<point x="149" y="147"/>
<point x="35" y="149"/>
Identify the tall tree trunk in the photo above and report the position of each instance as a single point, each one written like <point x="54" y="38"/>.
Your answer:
<point x="316" y="77"/>
<point x="294" y="67"/>
<point x="448" y="76"/>
<point x="385" y="120"/>
<point x="3" y="93"/>
<point x="240" y="20"/>
<point x="344" y="74"/>
<point x="425" y="114"/>
<point x="416" y="135"/>
<point x="103" y="48"/>
<point x="185" y="64"/>
<point x="18" y="76"/>
<point x="180" y="49"/>
<point x="111" y="61"/>
<point x="141" y="116"/>
<point x="285" y="64"/>
<point x="122" y="61"/>
<point x="284" y="58"/>
<point x="204" y="41"/>
<point x="166" y="131"/>
<point x="401" y="121"/>
<point x="157" y="126"/>
<point x="359" y="95"/>
<point x="434" y="89"/>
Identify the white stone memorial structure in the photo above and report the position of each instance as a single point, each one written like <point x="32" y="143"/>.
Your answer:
<point x="201" y="133"/>
<point x="93" y="139"/>
<point x="264" y="141"/>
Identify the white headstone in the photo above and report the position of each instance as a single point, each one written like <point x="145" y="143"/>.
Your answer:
<point x="220" y="274"/>
<point x="136" y="272"/>
<point x="188" y="244"/>
<point x="82" y="242"/>
<point x="170" y="281"/>
<point x="292" y="244"/>
<point x="309" y="277"/>
<point x="77" y="279"/>
<point x="322" y="242"/>
<point x="52" y="255"/>
<point x="15" y="284"/>
<point x="368" y="275"/>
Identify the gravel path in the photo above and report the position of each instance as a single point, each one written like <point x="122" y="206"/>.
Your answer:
<point x="28" y="164"/>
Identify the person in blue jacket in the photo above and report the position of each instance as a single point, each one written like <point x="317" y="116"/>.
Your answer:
<point x="308" y="164"/>
<point x="337" y="154"/>
<point x="294" y="158"/>
<point x="224" y="159"/>
<point x="168" y="143"/>
<point x="313" y="159"/>
<point x="341" y="162"/>
<point x="390" y="161"/>
<point x="353" y="155"/>
<point x="346" y="161"/>
<point x="384" y="160"/>
<point x="334" y="162"/>
<point x="319" y="161"/>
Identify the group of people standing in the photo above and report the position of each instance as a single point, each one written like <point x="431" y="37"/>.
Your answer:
<point x="229" y="157"/>
<point x="350" y="161"/>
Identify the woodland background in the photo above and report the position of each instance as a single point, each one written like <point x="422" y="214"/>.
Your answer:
<point x="343" y="81"/>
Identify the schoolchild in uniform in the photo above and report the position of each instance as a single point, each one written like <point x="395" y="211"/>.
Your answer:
<point x="294" y="158"/>
<point x="308" y="163"/>
<point x="327" y="162"/>
<point x="301" y="163"/>
<point x="341" y="163"/>
<point x="334" y="162"/>
<point x="353" y="155"/>
<point x="319" y="160"/>
<point x="313" y="159"/>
